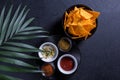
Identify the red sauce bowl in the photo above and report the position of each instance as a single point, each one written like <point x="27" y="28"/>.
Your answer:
<point x="67" y="64"/>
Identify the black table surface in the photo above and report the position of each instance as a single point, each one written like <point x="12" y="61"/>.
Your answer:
<point x="100" y="54"/>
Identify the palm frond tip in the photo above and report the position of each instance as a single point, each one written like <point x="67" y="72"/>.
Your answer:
<point x="12" y="28"/>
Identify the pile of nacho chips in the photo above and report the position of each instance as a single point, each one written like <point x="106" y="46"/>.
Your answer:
<point x="80" y="21"/>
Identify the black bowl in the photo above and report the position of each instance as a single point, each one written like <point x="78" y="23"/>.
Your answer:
<point x="68" y="11"/>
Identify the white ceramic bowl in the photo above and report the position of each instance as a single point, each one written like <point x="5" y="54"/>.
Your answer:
<point x="65" y="71"/>
<point x="50" y="59"/>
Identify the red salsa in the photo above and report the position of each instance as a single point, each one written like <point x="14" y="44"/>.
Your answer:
<point x="67" y="63"/>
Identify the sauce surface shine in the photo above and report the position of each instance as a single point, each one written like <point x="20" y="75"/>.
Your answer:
<point x="67" y="63"/>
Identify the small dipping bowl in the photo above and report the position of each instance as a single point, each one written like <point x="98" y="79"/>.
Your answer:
<point x="67" y="64"/>
<point x="64" y="44"/>
<point x="52" y="55"/>
<point x="48" y="69"/>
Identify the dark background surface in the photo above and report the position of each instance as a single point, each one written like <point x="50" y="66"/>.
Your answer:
<point x="100" y="54"/>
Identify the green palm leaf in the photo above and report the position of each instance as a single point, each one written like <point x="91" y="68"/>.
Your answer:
<point x="23" y="45"/>
<point x="5" y="24"/>
<point x="16" y="23"/>
<point x="10" y="28"/>
<point x="16" y="62"/>
<point x="31" y="32"/>
<point x="17" y="55"/>
<point x="26" y="23"/>
<point x="22" y="20"/>
<point x="21" y="37"/>
<point x="4" y="77"/>
<point x="17" y="49"/>
<point x="1" y="22"/>
<point x="16" y="28"/>
<point x="17" y="69"/>
<point x="31" y="28"/>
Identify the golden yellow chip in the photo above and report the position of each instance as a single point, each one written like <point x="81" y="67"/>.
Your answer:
<point x="89" y="28"/>
<point x="94" y="13"/>
<point x="71" y="31"/>
<point x="85" y="14"/>
<point x="88" y="22"/>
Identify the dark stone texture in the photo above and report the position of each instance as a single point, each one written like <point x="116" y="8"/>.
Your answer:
<point x="100" y="54"/>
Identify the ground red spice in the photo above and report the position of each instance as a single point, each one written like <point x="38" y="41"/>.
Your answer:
<point x="67" y="63"/>
<point x="48" y="69"/>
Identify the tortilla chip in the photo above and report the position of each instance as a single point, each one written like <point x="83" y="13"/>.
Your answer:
<point x="85" y="14"/>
